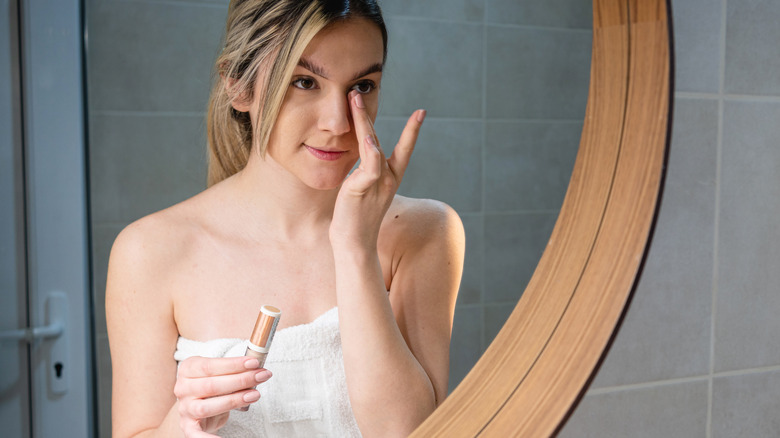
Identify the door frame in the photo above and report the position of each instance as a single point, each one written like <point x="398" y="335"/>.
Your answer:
<point x="14" y="314"/>
<point x="57" y="214"/>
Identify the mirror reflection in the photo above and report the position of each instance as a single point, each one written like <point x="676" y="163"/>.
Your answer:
<point x="505" y="86"/>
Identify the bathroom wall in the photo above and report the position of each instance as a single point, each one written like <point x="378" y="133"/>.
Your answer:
<point x="504" y="83"/>
<point x="148" y="73"/>
<point x="697" y="355"/>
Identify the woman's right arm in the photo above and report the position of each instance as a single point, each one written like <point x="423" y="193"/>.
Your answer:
<point x="143" y="334"/>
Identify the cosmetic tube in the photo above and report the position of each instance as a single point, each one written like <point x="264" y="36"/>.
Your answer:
<point x="262" y="335"/>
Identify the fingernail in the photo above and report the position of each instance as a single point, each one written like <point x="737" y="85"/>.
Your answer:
<point x="252" y="364"/>
<point x="421" y="115"/>
<point x="252" y="396"/>
<point x="359" y="101"/>
<point x="262" y="376"/>
<point x="370" y="140"/>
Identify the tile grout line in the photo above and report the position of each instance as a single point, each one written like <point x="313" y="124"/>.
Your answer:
<point x="179" y="3"/>
<point x="716" y="221"/>
<point x="647" y="385"/>
<point x="148" y="113"/>
<point x="682" y="380"/>
<point x="173" y="113"/>
<point x="519" y="120"/>
<point x="518" y="212"/>
<point x="746" y="371"/>
<point x="112" y="223"/>
<point x="484" y="22"/>
<point x="727" y="96"/>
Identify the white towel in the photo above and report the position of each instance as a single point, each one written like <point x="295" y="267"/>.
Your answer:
<point x="307" y="395"/>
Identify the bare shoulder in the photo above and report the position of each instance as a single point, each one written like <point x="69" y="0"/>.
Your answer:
<point x="150" y="250"/>
<point x="411" y="221"/>
<point x="154" y="239"/>
<point x="423" y="241"/>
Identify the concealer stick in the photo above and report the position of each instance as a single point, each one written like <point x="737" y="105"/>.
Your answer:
<point x="262" y="335"/>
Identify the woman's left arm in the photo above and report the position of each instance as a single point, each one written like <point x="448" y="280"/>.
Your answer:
<point x="396" y="357"/>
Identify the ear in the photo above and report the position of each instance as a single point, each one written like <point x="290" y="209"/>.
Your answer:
<point x="239" y="102"/>
<point x="240" y="105"/>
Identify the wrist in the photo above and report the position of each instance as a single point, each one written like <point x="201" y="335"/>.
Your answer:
<point x="354" y="252"/>
<point x="352" y="243"/>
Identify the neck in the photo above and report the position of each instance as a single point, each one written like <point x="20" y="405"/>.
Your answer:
<point x="282" y="204"/>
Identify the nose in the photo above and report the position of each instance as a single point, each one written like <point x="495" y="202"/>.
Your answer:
<point x="334" y="114"/>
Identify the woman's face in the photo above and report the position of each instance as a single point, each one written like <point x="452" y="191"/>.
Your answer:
<point x="314" y="137"/>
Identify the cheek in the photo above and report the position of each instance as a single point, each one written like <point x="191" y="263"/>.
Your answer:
<point x="292" y="121"/>
<point x="283" y="134"/>
<point x="373" y="108"/>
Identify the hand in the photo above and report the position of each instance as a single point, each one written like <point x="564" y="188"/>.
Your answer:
<point x="366" y="194"/>
<point x="208" y="388"/>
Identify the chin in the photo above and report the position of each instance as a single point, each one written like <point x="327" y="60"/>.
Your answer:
<point x="328" y="178"/>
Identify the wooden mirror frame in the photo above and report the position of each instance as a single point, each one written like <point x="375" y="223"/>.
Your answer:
<point x="530" y="378"/>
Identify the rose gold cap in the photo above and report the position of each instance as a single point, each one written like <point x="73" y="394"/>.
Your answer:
<point x="265" y="327"/>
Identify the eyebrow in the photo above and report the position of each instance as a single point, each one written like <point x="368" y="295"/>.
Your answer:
<point x="319" y="71"/>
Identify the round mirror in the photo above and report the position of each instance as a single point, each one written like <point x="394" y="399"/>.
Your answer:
<point x="530" y="378"/>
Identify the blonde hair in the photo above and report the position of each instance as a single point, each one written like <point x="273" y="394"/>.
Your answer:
<point x="264" y="39"/>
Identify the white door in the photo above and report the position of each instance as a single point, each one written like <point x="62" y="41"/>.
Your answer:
<point x="45" y="346"/>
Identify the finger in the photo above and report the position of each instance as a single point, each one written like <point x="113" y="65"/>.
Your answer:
<point x="226" y="384"/>
<point x="370" y="153"/>
<point x="197" y="366"/>
<point x="207" y="408"/>
<point x="363" y="124"/>
<point x="399" y="160"/>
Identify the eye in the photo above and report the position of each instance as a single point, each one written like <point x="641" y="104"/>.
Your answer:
<point x="364" y="87"/>
<point x="304" y="83"/>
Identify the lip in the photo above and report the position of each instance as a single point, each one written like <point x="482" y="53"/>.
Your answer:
<point x="325" y="155"/>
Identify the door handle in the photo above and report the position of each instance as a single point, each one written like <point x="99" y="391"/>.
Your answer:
<point x="30" y="334"/>
<point x="56" y="320"/>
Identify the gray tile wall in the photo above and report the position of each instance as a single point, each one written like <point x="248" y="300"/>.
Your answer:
<point x="505" y="86"/>
<point x="504" y="83"/>
<point x="698" y="354"/>
<point x="148" y="73"/>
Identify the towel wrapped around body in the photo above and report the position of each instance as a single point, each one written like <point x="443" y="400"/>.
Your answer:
<point x="307" y="395"/>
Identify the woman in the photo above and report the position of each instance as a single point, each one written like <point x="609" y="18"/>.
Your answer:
<point x="366" y="279"/>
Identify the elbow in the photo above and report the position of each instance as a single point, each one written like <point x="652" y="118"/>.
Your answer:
<point x="418" y="403"/>
<point x="425" y="402"/>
